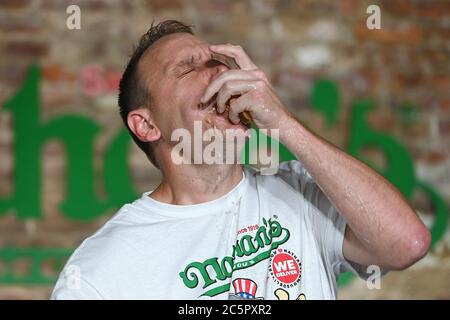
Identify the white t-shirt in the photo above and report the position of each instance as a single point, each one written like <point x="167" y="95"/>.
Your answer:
<point x="270" y="237"/>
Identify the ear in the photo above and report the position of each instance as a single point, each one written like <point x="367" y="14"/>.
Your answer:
<point x="142" y="125"/>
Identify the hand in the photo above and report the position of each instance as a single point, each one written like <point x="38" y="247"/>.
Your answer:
<point x="256" y="94"/>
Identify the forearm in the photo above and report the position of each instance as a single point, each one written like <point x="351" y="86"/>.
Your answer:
<point x="374" y="209"/>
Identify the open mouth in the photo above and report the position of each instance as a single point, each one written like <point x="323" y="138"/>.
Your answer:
<point x="211" y="112"/>
<point x="211" y="108"/>
<point x="211" y="104"/>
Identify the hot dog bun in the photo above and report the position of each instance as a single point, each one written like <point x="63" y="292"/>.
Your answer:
<point x="245" y="117"/>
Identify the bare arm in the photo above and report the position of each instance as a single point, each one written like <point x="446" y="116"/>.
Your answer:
<point x="382" y="228"/>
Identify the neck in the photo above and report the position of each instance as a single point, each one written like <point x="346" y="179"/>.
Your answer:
<point x="193" y="184"/>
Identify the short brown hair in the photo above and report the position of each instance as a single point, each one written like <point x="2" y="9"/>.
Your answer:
<point x="132" y="93"/>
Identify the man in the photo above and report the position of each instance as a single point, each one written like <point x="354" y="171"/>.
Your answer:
<point x="223" y="230"/>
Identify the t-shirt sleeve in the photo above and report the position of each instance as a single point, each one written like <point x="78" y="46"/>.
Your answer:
<point x="327" y="224"/>
<point x="71" y="287"/>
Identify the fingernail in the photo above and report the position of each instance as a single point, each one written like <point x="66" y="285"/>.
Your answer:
<point x="202" y="100"/>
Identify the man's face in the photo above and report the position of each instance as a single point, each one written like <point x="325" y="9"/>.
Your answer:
<point x="177" y="69"/>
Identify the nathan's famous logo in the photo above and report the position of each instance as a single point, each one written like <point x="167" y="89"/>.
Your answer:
<point x="78" y="133"/>
<point x="248" y="251"/>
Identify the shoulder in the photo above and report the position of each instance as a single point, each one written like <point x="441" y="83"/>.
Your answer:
<point x="94" y="261"/>
<point x="293" y="170"/>
<point x="116" y="251"/>
<point x="121" y="237"/>
<point x="108" y="243"/>
<point x="289" y="173"/>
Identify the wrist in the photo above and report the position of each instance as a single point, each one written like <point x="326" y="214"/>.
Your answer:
<point x="295" y="136"/>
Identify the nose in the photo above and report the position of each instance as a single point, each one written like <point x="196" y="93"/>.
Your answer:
<point x="218" y="70"/>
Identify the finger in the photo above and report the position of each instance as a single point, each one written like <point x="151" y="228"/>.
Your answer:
<point x="236" y="52"/>
<point x="238" y="106"/>
<point x="215" y="85"/>
<point x="232" y="88"/>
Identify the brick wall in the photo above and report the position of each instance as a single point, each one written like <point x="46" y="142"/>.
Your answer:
<point x="406" y="63"/>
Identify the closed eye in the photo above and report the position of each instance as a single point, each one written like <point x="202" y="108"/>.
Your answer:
<point x="190" y="63"/>
<point x="186" y="72"/>
<point x="193" y="65"/>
